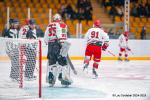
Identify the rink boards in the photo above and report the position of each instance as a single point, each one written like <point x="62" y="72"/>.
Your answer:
<point x="140" y="50"/>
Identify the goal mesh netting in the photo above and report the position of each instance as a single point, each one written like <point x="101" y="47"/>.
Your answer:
<point x="24" y="58"/>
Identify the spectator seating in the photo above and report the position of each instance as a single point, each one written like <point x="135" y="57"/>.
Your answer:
<point x="39" y="11"/>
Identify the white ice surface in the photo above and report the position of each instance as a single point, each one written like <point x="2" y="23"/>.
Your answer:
<point x="116" y="80"/>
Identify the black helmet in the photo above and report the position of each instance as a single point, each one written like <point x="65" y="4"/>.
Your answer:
<point x="11" y="21"/>
<point x="31" y="21"/>
<point x="15" y="21"/>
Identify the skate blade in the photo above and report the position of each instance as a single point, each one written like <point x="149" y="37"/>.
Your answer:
<point x="94" y="77"/>
<point x="65" y="86"/>
<point x="51" y="85"/>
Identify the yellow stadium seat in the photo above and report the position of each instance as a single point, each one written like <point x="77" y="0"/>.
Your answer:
<point x="131" y="19"/>
<point x="85" y="29"/>
<point x="13" y="15"/>
<point x="45" y="6"/>
<point x="68" y="22"/>
<point x="137" y="19"/>
<point x="52" y="6"/>
<point x="84" y="23"/>
<point x="93" y="17"/>
<point x="147" y="25"/>
<point x="134" y="24"/>
<point x="75" y="22"/>
<point x="71" y="28"/>
<point x="148" y="19"/>
<point x="141" y="24"/>
<point x="139" y="30"/>
<point x="90" y="23"/>
<point x="147" y="31"/>
<point x="63" y="1"/>
<point x="117" y="19"/>
<point x="144" y="20"/>
<point x="132" y="29"/>
<point x="28" y="1"/>
<point x="35" y="15"/>
<point x="39" y="10"/>
<point x="108" y="8"/>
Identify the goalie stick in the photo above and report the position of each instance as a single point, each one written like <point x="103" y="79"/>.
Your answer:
<point x="71" y="65"/>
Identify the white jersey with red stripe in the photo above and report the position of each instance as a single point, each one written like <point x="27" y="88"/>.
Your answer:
<point x="54" y="31"/>
<point x="123" y="41"/>
<point x="94" y="35"/>
<point x="23" y="31"/>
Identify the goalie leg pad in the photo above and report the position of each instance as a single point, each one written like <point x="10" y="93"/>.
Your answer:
<point x="51" y="78"/>
<point x="51" y="74"/>
<point x="66" y="80"/>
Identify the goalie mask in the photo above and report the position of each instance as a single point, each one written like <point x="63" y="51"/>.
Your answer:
<point x="57" y="17"/>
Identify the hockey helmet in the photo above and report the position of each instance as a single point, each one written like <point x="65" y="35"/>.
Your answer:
<point x="126" y="33"/>
<point x="26" y="21"/>
<point x="10" y="21"/>
<point x="57" y="17"/>
<point x="97" y="23"/>
<point x="32" y="22"/>
<point x="15" y="21"/>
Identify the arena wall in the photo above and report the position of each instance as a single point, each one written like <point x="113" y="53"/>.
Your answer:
<point x="140" y="50"/>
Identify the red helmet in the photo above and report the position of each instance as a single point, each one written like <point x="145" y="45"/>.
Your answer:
<point x="97" y="23"/>
<point x="126" y="33"/>
<point x="26" y="21"/>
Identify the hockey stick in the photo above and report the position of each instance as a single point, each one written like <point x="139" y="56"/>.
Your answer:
<point x="131" y="52"/>
<point x="71" y="65"/>
<point x="111" y="53"/>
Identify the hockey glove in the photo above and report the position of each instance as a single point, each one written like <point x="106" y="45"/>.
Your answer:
<point x="128" y="49"/>
<point x="104" y="46"/>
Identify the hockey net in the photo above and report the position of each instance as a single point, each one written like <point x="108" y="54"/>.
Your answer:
<point x="24" y="61"/>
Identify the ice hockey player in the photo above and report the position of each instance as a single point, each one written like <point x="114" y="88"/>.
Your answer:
<point x="123" y="46"/>
<point x="12" y="49"/>
<point x="12" y="32"/>
<point x="97" y="40"/>
<point x="56" y="38"/>
<point x="29" y="32"/>
<point x="24" y="29"/>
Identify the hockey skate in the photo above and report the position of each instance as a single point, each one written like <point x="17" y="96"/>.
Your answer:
<point x="85" y="67"/>
<point x="51" y="79"/>
<point x="95" y="75"/>
<point x="66" y="82"/>
<point x="127" y="60"/>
